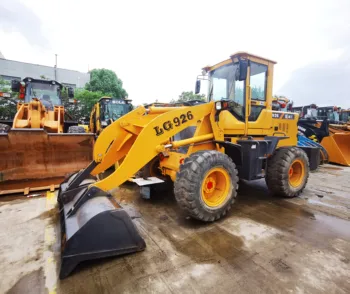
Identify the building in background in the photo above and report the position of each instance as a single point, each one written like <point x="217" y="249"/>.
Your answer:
<point x="17" y="70"/>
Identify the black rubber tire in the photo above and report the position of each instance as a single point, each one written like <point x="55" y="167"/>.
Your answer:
<point x="277" y="177"/>
<point x="189" y="179"/>
<point x="4" y="128"/>
<point x="76" y="130"/>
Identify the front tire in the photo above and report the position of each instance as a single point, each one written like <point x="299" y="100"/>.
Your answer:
<point x="287" y="172"/>
<point x="206" y="185"/>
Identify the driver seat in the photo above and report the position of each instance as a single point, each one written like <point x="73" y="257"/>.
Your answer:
<point x="47" y="102"/>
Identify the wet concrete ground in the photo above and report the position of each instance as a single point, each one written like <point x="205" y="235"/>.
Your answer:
<point x="264" y="245"/>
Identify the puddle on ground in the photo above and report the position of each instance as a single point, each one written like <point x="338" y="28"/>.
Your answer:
<point x="332" y="167"/>
<point x="338" y="226"/>
<point x="187" y="246"/>
<point x="318" y="202"/>
<point x="222" y="242"/>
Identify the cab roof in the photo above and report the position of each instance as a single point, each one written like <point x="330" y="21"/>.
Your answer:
<point x="112" y="98"/>
<point x="240" y="54"/>
<point x="28" y="79"/>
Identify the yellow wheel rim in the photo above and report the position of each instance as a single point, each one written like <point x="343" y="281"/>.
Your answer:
<point x="296" y="173"/>
<point x="215" y="187"/>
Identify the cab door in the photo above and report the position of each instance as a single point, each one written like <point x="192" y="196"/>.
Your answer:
<point x="258" y="74"/>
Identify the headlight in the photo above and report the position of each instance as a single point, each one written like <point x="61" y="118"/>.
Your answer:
<point x="218" y="105"/>
<point x="104" y="123"/>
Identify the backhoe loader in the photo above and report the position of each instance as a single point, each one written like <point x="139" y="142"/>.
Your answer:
<point x="41" y="147"/>
<point x="106" y="111"/>
<point x="235" y="134"/>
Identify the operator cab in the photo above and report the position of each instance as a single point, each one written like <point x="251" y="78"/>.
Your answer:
<point x="242" y="78"/>
<point x="48" y="92"/>
<point x="112" y="109"/>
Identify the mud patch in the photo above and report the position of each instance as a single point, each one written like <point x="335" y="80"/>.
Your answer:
<point x="36" y="257"/>
<point x="32" y="283"/>
<point x="280" y="265"/>
<point x="222" y="242"/>
<point x="52" y="215"/>
<point x="345" y="260"/>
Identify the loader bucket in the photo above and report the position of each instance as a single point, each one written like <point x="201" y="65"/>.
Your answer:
<point x="35" y="154"/>
<point x="338" y="148"/>
<point x="93" y="225"/>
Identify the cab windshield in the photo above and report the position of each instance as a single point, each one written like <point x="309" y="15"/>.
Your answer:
<point x="48" y="94"/>
<point x="114" y="110"/>
<point x="223" y="84"/>
<point x="344" y="116"/>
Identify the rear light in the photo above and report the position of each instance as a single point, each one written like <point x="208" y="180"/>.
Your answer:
<point x="221" y="105"/>
<point x="218" y="105"/>
<point x="22" y="91"/>
<point x="161" y="156"/>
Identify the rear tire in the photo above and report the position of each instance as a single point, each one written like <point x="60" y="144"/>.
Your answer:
<point x="76" y="130"/>
<point x="206" y="185"/>
<point x="4" y="128"/>
<point x="287" y="172"/>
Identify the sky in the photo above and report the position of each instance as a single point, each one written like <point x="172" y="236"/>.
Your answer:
<point x="158" y="48"/>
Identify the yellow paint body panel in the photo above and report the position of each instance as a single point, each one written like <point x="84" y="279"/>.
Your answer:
<point x="337" y="144"/>
<point x="338" y="148"/>
<point x="33" y="115"/>
<point x="95" y="124"/>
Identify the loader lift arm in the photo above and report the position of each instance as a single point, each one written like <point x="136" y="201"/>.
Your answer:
<point x="98" y="212"/>
<point x="127" y="137"/>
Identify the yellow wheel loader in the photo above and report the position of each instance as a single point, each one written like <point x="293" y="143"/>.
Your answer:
<point x="235" y="134"/>
<point x="40" y="147"/>
<point x="334" y="136"/>
<point x="106" y="111"/>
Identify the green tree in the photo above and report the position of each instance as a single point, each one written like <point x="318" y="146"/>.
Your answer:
<point x="84" y="100"/>
<point x="8" y="106"/>
<point x="188" y="96"/>
<point x="106" y="81"/>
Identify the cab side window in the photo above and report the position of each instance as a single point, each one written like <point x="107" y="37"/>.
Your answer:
<point x="258" y="80"/>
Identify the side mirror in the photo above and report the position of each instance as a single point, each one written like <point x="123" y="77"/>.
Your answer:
<point x="198" y="87"/>
<point x="70" y="92"/>
<point x="15" y="85"/>
<point x="241" y="73"/>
